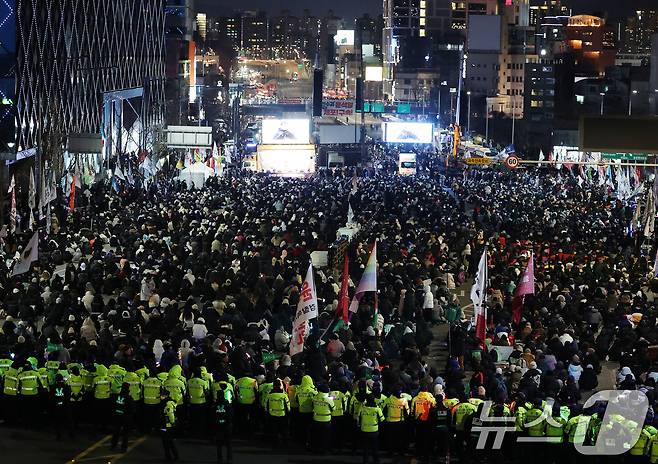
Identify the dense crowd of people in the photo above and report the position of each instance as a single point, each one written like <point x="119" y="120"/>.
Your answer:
<point x="171" y="310"/>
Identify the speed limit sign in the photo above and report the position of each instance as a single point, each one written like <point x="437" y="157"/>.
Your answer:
<point x="512" y="162"/>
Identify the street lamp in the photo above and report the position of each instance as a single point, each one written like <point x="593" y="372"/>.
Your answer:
<point x="602" y="100"/>
<point x="630" y="102"/>
<point x="468" y="124"/>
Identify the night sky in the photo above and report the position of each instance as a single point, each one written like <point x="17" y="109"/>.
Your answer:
<point x="354" y="8"/>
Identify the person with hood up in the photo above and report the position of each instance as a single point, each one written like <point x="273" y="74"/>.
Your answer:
<point x="428" y="303"/>
<point x="88" y="330"/>
<point x="304" y="396"/>
<point x="158" y="350"/>
<point x="184" y="353"/>
<point x="199" y="330"/>
<point x="623" y="373"/>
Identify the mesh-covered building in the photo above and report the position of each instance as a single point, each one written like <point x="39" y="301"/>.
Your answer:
<point x="81" y="67"/>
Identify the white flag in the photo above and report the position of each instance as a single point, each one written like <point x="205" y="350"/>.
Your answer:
<point x="119" y="174"/>
<point x="350" y="214"/>
<point x="48" y="219"/>
<point x="12" y="213"/>
<point x="541" y="156"/>
<point x="29" y="255"/>
<point x="478" y="297"/>
<point x="307" y="309"/>
<point x="32" y="193"/>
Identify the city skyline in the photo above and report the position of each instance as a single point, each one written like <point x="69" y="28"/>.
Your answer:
<point x="350" y="9"/>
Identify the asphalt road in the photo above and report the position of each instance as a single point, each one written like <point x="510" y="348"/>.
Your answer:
<point x="30" y="446"/>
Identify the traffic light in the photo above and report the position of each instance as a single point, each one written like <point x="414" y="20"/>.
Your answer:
<point x="318" y="80"/>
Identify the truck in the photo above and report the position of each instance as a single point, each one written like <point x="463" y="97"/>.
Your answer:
<point x="407" y="164"/>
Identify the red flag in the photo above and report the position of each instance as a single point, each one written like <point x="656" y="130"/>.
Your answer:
<point x="72" y="196"/>
<point x="526" y="287"/>
<point x="344" y="298"/>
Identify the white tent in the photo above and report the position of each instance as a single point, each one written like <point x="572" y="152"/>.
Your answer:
<point x="196" y="175"/>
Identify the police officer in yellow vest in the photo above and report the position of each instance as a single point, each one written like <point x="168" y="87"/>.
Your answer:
<point x="277" y="406"/>
<point x="30" y="385"/>
<point x="396" y="411"/>
<point x="642" y="444"/>
<point x="10" y="393"/>
<point x="198" y="390"/>
<point x="76" y="385"/>
<point x="370" y="416"/>
<point x="304" y="396"/>
<point x="323" y="406"/>
<point x="167" y="426"/>
<point x="102" y="392"/>
<point x="152" y="388"/>
<point x="246" y="390"/>
<point x="652" y="449"/>
<point x="535" y="420"/>
<point x="340" y="419"/>
<point x="222" y="383"/>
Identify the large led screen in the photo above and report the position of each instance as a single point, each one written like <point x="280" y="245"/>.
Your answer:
<point x="408" y="132"/>
<point x="285" y="131"/>
<point x="287" y="160"/>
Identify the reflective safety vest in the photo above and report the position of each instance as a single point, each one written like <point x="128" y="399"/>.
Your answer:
<point x="397" y="409"/>
<point x="134" y="385"/>
<point x="292" y="396"/>
<point x="75" y="384"/>
<point x="52" y="367"/>
<point x="264" y="390"/>
<point x="246" y="390"/>
<point x="534" y="422"/>
<point x="87" y="379"/>
<point x="102" y="387"/>
<point x="652" y="449"/>
<point x="44" y="378"/>
<point x="116" y="374"/>
<point x="277" y="404"/>
<point x="369" y="418"/>
<point x="643" y="440"/>
<point x="340" y="403"/>
<point x="576" y="434"/>
<point x="169" y="414"/>
<point x="198" y="390"/>
<point x="29" y="382"/>
<point x="152" y="389"/>
<point x="142" y="373"/>
<point x="450" y="403"/>
<point x="11" y="382"/>
<point x="421" y="405"/>
<point x="460" y="413"/>
<point x="305" y="399"/>
<point x="176" y="389"/>
<point x="5" y="364"/>
<point x="322" y="407"/>
<point x="519" y="421"/>
<point x="216" y="387"/>
<point x="555" y="429"/>
<point x="355" y="407"/>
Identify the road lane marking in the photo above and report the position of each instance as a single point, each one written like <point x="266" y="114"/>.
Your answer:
<point x="134" y="445"/>
<point x="90" y="449"/>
